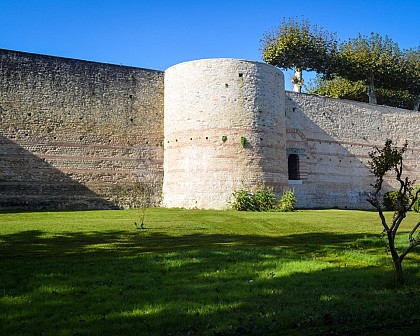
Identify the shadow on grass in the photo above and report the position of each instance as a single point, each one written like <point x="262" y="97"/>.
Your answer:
<point x="150" y="283"/>
<point x="37" y="243"/>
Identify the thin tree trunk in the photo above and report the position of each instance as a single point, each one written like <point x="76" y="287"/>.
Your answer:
<point x="417" y="103"/>
<point x="371" y="92"/>
<point x="297" y="81"/>
<point x="399" y="271"/>
<point x="395" y="258"/>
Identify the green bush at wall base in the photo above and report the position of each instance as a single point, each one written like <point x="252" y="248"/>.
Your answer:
<point x="262" y="199"/>
<point x="287" y="202"/>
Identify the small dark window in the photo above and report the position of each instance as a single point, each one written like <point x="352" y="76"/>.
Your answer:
<point x="293" y="166"/>
<point x="241" y="74"/>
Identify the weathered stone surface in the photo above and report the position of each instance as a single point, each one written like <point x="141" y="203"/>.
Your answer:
<point x="72" y="131"/>
<point x="336" y="137"/>
<point x="209" y="106"/>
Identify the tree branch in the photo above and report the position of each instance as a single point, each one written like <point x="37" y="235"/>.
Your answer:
<point x="413" y="242"/>
<point x="373" y="200"/>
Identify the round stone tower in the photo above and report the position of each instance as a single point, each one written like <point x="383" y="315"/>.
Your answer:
<point x="224" y="126"/>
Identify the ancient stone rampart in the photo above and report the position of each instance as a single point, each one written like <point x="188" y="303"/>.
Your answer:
<point x="74" y="132"/>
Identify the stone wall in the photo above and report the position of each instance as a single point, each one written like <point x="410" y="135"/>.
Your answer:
<point x="209" y="106"/>
<point x="73" y="132"/>
<point x="334" y="137"/>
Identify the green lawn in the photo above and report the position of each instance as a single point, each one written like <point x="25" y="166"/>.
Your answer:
<point x="194" y="272"/>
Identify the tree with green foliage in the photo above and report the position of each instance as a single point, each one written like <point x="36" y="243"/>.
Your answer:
<point x="300" y="46"/>
<point x="390" y="158"/>
<point x="412" y="69"/>
<point x="376" y="60"/>
<point x="340" y="87"/>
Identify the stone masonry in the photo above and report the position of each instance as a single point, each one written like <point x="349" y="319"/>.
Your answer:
<point x="74" y="133"/>
<point x="334" y="137"/>
<point x="224" y="130"/>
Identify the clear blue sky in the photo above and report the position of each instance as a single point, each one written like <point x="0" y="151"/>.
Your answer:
<point x="159" y="34"/>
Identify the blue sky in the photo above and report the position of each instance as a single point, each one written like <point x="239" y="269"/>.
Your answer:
<point x="159" y="34"/>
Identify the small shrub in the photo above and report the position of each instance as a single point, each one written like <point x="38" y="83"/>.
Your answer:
<point x="243" y="201"/>
<point x="264" y="198"/>
<point x="288" y="201"/>
<point x="416" y="205"/>
<point x="261" y="199"/>
<point x="390" y="201"/>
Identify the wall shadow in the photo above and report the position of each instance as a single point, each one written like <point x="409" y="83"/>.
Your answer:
<point x="332" y="140"/>
<point x="28" y="182"/>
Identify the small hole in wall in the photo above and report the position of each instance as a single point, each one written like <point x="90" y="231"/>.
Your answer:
<point x="81" y="118"/>
<point x="261" y="139"/>
<point x="241" y="74"/>
<point x="131" y="96"/>
<point x="131" y="119"/>
<point x="29" y="114"/>
<point x="294" y="109"/>
<point x="207" y="138"/>
<point x="226" y="85"/>
<point x="176" y="140"/>
<point x="190" y="138"/>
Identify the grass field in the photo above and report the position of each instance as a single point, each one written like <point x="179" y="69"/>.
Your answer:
<point x="194" y="272"/>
